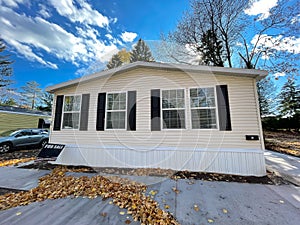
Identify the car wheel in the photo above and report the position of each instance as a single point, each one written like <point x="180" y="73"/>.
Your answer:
<point x="43" y="143"/>
<point x="5" y="147"/>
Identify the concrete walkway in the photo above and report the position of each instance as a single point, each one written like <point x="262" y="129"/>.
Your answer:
<point x="190" y="201"/>
<point x="20" y="179"/>
<point x="284" y="165"/>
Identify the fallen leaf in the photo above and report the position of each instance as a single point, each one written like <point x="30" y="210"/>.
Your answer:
<point x="104" y="214"/>
<point x="152" y="192"/>
<point x="127" y="221"/>
<point x="11" y="162"/>
<point x="175" y="190"/>
<point x="210" y="220"/>
<point x="191" y="182"/>
<point x="196" y="208"/>
<point x="225" y="211"/>
<point x="124" y="193"/>
<point x="18" y="213"/>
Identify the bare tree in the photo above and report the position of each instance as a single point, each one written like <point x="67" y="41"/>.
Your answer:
<point x="265" y="48"/>
<point x="246" y="41"/>
<point x="223" y="18"/>
<point x="31" y="93"/>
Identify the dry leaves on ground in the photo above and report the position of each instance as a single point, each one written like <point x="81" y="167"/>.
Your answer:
<point x="12" y="162"/>
<point x="287" y="142"/>
<point x="137" y="171"/>
<point x="126" y="194"/>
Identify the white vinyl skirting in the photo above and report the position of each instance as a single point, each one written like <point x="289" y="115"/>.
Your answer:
<point x="247" y="162"/>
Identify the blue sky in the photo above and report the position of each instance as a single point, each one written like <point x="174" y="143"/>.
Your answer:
<point x="50" y="41"/>
<point x="56" y="40"/>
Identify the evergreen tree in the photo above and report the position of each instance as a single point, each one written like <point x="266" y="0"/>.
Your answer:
<point x="141" y="52"/>
<point x="114" y="62"/>
<point x="5" y="69"/>
<point x="290" y="99"/>
<point x="9" y="102"/>
<point x="266" y="90"/>
<point x="211" y="49"/>
<point x="47" y="100"/>
<point x="5" y="73"/>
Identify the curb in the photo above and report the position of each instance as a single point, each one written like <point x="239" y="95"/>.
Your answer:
<point x="285" y="176"/>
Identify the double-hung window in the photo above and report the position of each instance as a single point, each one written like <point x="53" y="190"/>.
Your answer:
<point x="116" y="111"/>
<point x="173" y="109"/>
<point x="71" y="112"/>
<point x="203" y="108"/>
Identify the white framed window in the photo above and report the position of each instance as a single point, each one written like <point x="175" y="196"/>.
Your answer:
<point x="71" y="112"/>
<point x="116" y="110"/>
<point x="173" y="109"/>
<point x="203" y="108"/>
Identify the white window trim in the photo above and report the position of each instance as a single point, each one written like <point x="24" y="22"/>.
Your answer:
<point x="106" y="110"/>
<point x="161" y="110"/>
<point x="216" y="108"/>
<point x="63" y="112"/>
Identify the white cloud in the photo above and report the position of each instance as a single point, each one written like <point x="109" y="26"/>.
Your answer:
<point x="27" y="52"/>
<point x="261" y="7"/>
<point x="31" y="36"/>
<point x="128" y="36"/>
<point x="290" y="44"/>
<point x="109" y="36"/>
<point x="11" y="3"/>
<point x="44" y="11"/>
<point x="282" y="74"/>
<point x="83" y="14"/>
<point x="296" y="19"/>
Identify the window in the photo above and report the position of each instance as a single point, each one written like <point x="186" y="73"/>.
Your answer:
<point x="71" y="112"/>
<point x="35" y="132"/>
<point x="203" y="108"/>
<point x="173" y="109"/>
<point x="116" y="111"/>
<point x="24" y="133"/>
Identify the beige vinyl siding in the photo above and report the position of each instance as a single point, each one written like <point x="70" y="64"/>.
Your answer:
<point x="244" y="115"/>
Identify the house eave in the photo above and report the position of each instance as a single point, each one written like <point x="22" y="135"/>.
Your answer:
<point x="256" y="74"/>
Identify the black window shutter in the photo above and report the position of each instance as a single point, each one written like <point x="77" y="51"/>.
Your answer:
<point x="58" y="112"/>
<point x="131" y="110"/>
<point x="84" y="115"/>
<point x="155" y="110"/>
<point x="101" y="111"/>
<point x="223" y="107"/>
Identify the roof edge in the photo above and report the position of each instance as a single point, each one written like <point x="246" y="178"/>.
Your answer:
<point x="257" y="74"/>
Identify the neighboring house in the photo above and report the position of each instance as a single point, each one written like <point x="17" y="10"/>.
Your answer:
<point x="179" y="117"/>
<point x="12" y="118"/>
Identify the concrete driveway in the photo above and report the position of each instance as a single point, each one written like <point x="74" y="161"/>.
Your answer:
<point x="190" y="201"/>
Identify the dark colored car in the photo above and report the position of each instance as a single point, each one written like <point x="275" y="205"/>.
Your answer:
<point x="24" y="138"/>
